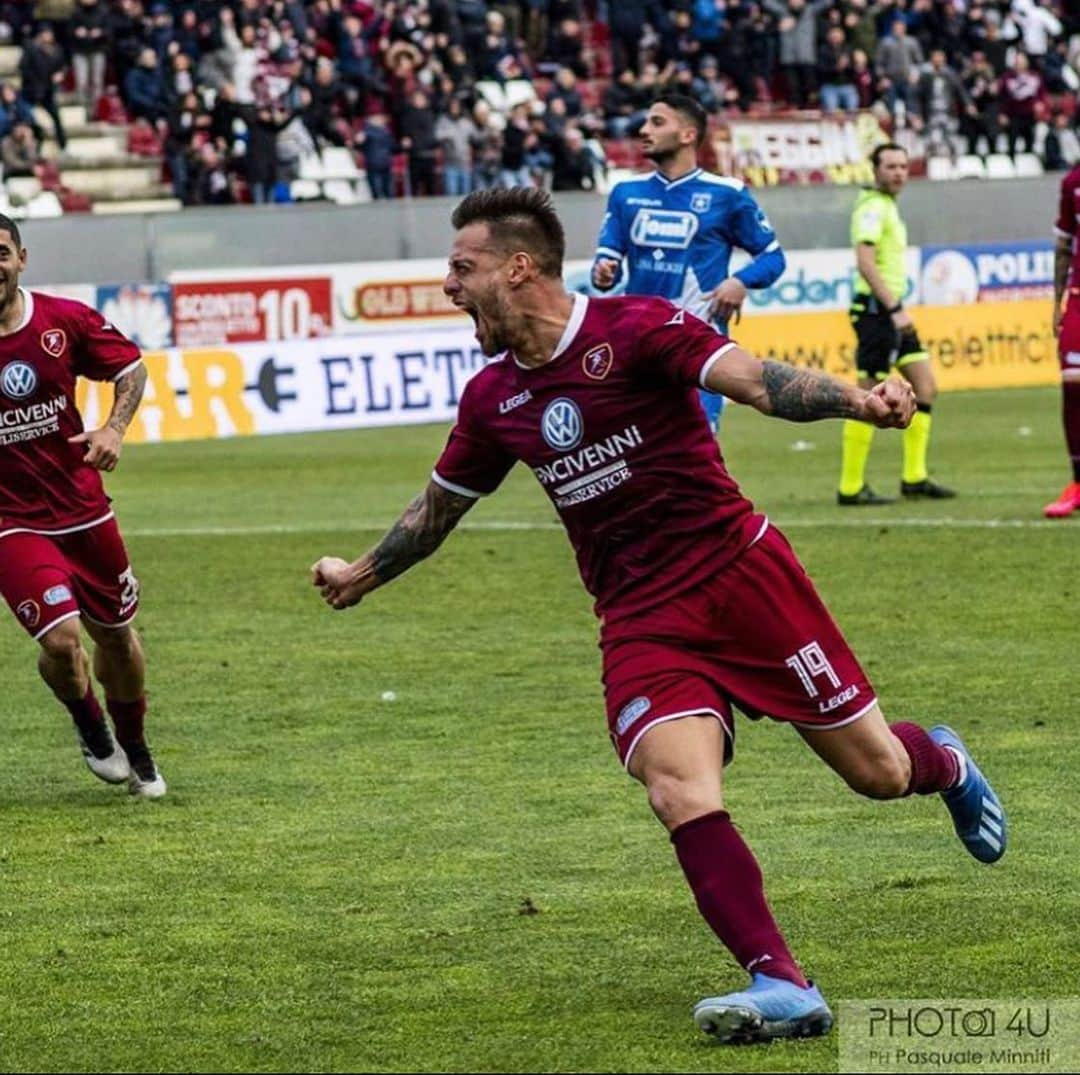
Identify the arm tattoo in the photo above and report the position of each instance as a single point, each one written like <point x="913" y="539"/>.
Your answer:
<point x="419" y="532"/>
<point x="129" y="393"/>
<point x="802" y="396"/>
<point x="1062" y="257"/>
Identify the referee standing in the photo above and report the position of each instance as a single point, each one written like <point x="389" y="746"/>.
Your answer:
<point x="885" y="333"/>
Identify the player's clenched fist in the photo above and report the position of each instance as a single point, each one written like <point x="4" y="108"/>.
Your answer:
<point x="337" y="582"/>
<point x="890" y="404"/>
<point x="603" y="274"/>
<point x="102" y="447"/>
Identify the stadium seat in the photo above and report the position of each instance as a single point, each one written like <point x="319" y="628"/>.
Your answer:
<point x="340" y="191"/>
<point x="23" y="189"/>
<point x="311" y="167"/>
<point x="305" y="190"/>
<point x="940" y="168"/>
<point x="339" y="163"/>
<point x="970" y="167"/>
<point x="1000" y="166"/>
<point x="1028" y="164"/>
<point x="45" y="204"/>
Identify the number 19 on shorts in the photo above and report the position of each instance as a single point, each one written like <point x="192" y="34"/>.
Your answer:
<point x="808" y="664"/>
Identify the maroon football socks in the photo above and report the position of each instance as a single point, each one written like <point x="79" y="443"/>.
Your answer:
<point x="128" y="721"/>
<point x="727" y="884"/>
<point x="1070" y="408"/>
<point x="933" y="766"/>
<point x="85" y="712"/>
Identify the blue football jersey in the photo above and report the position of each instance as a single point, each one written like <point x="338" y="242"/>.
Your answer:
<point x="676" y="236"/>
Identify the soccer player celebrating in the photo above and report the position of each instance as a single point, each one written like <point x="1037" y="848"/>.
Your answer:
<point x="677" y="226"/>
<point x="62" y="560"/>
<point x="886" y="334"/>
<point x="703" y="605"/>
<point x="1067" y="331"/>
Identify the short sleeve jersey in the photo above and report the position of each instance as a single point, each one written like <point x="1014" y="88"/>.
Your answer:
<point x="612" y="429"/>
<point x="1065" y="227"/>
<point x="876" y="220"/>
<point x="677" y="235"/>
<point x="46" y="485"/>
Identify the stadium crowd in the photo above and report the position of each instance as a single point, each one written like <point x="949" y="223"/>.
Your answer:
<point x="445" y="96"/>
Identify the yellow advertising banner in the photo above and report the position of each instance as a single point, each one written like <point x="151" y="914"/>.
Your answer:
<point x="980" y="345"/>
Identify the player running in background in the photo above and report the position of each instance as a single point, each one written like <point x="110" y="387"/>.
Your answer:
<point x="703" y="605"/>
<point x="677" y="226"/>
<point x="62" y="560"/>
<point x="886" y="334"/>
<point x="1067" y="331"/>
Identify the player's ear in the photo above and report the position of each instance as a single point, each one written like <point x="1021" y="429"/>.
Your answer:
<point x="521" y="268"/>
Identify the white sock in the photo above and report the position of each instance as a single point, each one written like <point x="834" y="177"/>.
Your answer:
<point x="961" y="768"/>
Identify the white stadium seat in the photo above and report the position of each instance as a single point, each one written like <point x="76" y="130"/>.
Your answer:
<point x="339" y="163"/>
<point x="1000" y="166"/>
<point x="1028" y="164"/>
<point x="305" y="190"/>
<point x="940" y="168"/>
<point x="970" y="167"/>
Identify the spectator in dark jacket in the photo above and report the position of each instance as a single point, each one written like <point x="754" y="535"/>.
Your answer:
<point x="14" y="109"/>
<point x="261" y="157"/>
<point x="575" y="166"/>
<point x="41" y="70"/>
<point x="377" y="144"/>
<point x="88" y="33"/>
<point x="836" y="73"/>
<point x="144" y="89"/>
<point x="566" y="89"/>
<point x="418" y="140"/>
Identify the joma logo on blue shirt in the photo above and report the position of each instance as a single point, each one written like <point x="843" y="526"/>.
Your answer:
<point x="670" y="229"/>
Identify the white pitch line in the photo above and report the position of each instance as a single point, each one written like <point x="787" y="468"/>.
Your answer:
<point x="496" y="526"/>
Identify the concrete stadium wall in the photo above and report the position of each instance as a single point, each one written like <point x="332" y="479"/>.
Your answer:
<point x="144" y="248"/>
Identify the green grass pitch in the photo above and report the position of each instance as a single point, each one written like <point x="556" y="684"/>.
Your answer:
<point x="462" y="879"/>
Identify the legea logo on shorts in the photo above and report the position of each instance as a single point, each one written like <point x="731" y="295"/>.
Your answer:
<point x="56" y="595"/>
<point x="668" y="228"/>
<point x="18" y="380"/>
<point x="630" y="712"/>
<point x="562" y="425"/>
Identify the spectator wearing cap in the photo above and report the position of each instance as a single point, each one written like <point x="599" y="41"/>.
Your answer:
<point x="41" y="71"/>
<point x="708" y="88"/>
<point x="89" y="39"/>
<point x="453" y="129"/>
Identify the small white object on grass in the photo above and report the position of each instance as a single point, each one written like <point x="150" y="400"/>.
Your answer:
<point x="803" y="446"/>
<point x="1024" y="431"/>
<point x="389" y="696"/>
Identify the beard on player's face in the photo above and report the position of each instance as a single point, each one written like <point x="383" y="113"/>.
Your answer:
<point x="490" y="313"/>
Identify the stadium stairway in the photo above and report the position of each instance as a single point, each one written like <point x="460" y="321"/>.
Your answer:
<point x="95" y="171"/>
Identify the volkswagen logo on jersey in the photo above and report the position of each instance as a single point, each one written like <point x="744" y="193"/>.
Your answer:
<point x="561" y="425"/>
<point x="672" y="229"/>
<point x="18" y="380"/>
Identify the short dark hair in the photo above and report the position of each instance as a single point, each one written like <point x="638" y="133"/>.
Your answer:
<point x="521" y="218"/>
<point x="885" y="147"/>
<point x="689" y="109"/>
<point x="9" y="225"/>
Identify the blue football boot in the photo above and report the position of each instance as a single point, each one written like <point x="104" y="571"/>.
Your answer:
<point x="771" y="1008"/>
<point x="976" y="811"/>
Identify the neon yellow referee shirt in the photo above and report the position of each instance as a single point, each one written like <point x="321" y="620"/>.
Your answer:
<point x="876" y="219"/>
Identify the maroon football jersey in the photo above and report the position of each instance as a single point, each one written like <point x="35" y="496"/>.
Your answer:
<point x="613" y="430"/>
<point x="45" y="484"/>
<point x="1068" y="218"/>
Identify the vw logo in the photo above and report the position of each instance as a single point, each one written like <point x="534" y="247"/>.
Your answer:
<point x="18" y="380"/>
<point x="562" y="425"/>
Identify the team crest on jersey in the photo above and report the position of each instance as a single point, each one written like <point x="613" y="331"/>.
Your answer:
<point x="562" y="425"/>
<point x="700" y="203"/>
<point x="598" y="361"/>
<point x="18" y="380"/>
<point x="29" y="612"/>
<point x="53" y="341"/>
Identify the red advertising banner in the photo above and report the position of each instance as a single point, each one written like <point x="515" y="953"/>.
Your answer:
<point x="247" y="311"/>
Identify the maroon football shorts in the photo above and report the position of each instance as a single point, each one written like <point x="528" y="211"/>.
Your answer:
<point x="47" y="578"/>
<point x="1069" y="337"/>
<point x="756" y="636"/>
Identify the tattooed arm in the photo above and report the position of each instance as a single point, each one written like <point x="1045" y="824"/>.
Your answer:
<point x="103" y="445"/>
<point x="415" y="536"/>
<point x="799" y="395"/>
<point x="1062" y="258"/>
